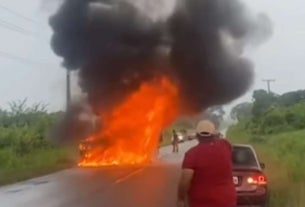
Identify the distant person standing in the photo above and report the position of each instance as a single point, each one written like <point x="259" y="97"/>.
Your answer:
<point x="206" y="179"/>
<point x="160" y="139"/>
<point x="175" y="142"/>
<point x="160" y="143"/>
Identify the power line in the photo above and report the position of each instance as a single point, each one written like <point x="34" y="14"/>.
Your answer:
<point x="21" y="30"/>
<point x="18" y="59"/>
<point x="22" y="60"/>
<point x="13" y="27"/>
<point x="17" y="14"/>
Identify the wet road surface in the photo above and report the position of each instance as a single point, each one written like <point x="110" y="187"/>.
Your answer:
<point x="145" y="186"/>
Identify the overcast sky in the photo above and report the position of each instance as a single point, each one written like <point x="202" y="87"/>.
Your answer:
<point x="29" y="69"/>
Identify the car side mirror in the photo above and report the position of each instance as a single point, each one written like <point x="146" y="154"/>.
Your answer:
<point x="263" y="166"/>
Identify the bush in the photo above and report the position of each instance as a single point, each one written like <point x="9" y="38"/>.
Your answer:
<point x="38" y="162"/>
<point x="25" y="151"/>
<point x="257" y="139"/>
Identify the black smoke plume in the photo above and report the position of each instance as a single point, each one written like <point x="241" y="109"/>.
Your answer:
<point x="116" y="46"/>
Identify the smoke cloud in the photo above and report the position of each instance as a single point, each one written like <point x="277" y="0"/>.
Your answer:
<point x="118" y="44"/>
<point x="210" y="72"/>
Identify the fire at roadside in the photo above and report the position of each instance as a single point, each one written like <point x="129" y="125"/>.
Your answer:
<point x="130" y="130"/>
<point x="143" y="64"/>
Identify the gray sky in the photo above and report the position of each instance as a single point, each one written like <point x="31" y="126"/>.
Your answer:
<point x="39" y="77"/>
<point x="34" y="72"/>
<point x="283" y="56"/>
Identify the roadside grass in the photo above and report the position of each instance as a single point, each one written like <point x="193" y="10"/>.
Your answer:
<point x="284" y="155"/>
<point x="36" y="163"/>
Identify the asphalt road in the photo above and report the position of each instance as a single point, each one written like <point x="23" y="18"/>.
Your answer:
<point x="149" y="186"/>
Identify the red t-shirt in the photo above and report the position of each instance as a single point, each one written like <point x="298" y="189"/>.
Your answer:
<point x="212" y="184"/>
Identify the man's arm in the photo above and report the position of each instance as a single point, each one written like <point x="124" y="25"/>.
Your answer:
<point x="184" y="183"/>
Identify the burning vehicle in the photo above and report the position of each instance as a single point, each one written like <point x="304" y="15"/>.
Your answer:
<point x="88" y="145"/>
<point x="136" y="125"/>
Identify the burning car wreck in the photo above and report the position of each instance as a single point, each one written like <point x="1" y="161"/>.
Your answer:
<point x="129" y="131"/>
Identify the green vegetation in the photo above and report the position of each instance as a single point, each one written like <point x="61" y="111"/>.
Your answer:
<point x="35" y="163"/>
<point x="25" y="151"/>
<point x="276" y="128"/>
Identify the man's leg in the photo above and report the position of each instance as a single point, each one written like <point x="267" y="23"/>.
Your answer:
<point x="176" y="148"/>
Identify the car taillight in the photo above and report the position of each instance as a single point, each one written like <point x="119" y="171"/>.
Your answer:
<point x="257" y="180"/>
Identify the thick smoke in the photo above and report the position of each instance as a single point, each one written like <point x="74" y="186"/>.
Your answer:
<point x="210" y="71"/>
<point x="118" y="44"/>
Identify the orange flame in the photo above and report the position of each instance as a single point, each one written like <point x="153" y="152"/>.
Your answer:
<point x="131" y="131"/>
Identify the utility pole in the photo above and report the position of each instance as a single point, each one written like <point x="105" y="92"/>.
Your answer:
<point x="68" y="88"/>
<point x="269" y="81"/>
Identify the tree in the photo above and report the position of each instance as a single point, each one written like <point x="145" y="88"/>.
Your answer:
<point x="263" y="101"/>
<point x="291" y="98"/>
<point x="242" y="111"/>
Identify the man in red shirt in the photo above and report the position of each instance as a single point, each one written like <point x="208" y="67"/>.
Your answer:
<point x="206" y="179"/>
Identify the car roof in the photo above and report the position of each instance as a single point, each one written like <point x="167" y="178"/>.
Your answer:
<point x="243" y="145"/>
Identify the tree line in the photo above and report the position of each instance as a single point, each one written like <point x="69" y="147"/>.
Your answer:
<point x="270" y="113"/>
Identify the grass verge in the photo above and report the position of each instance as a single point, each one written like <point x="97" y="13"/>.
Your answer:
<point x="36" y="163"/>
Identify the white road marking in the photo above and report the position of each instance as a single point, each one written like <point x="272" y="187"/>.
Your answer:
<point x="126" y="177"/>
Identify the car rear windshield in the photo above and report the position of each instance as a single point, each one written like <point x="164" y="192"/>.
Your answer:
<point x="244" y="157"/>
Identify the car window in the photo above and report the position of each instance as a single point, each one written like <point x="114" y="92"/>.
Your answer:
<point x="244" y="157"/>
